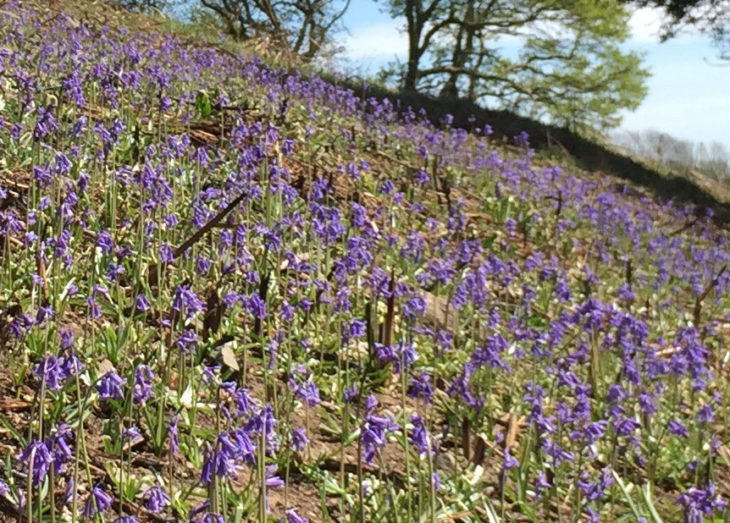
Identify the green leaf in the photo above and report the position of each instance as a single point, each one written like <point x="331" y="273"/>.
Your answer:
<point x="203" y="105"/>
<point x="20" y="439"/>
<point x="627" y="494"/>
<point x="655" y="517"/>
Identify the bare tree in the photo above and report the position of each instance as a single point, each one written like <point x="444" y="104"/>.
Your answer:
<point x="303" y="26"/>
<point x="681" y="156"/>
<point x="145" y="6"/>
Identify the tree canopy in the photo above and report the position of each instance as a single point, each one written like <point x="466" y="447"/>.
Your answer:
<point x="709" y="16"/>
<point x="554" y="60"/>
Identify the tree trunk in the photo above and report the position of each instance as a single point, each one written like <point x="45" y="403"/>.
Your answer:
<point x="414" y="25"/>
<point x="462" y="50"/>
<point x="450" y="90"/>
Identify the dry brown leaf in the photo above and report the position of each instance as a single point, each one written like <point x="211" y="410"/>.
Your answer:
<point x="513" y="428"/>
<point x="105" y="366"/>
<point x="228" y="357"/>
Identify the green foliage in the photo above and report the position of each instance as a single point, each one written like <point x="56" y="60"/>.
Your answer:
<point x="556" y="61"/>
<point x="708" y="16"/>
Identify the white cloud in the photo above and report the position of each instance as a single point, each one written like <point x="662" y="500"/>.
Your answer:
<point x="381" y="41"/>
<point x="646" y="24"/>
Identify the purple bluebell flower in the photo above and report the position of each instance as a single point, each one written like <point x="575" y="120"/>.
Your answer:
<point x="420" y="388"/>
<point x="593" y="516"/>
<point x="436" y="480"/>
<point x="110" y="386"/>
<point x="245" y="447"/>
<point x="351" y="394"/>
<point x="143" y="377"/>
<point x="58" y="446"/>
<point x="256" y="306"/>
<point x="676" y="428"/>
<point x="93" y="307"/>
<point x="132" y="435"/>
<point x="699" y="503"/>
<point x="69" y="491"/>
<point x="96" y="502"/>
<point x="542" y="484"/>
<point x="420" y="437"/>
<point x="52" y="371"/>
<point x="142" y="303"/>
<point x="626" y="426"/>
<point x="104" y="242"/>
<point x="299" y="439"/>
<point x="272" y="479"/>
<point x="357" y="329"/>
<point x="207" y="471"/>
<point x="37" y="456"/>
<point x="45" y="312"/>
<point x="263" y="421"/>
<point x="594" y="490"/>
<point x="414" y="307"/>
<point x="186" y="299"/>
<point x="211" y="375"/>
<point x="705" y="414"/>
<point x="210" y="517"/>
<point x="245" y="403"/>
<point x="510" y="462"/>
<point x="374" y="430"/>
<point x="187" y="342"/>
<point x="293" y="517"/>
<point x="156" y="499"/>
<point x="172" y="430"/>
<point x="308" y="393"/>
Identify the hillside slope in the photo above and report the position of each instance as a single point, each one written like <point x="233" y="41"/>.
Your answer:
<point x="566" y="146"/>
<point x="231" y="292"/>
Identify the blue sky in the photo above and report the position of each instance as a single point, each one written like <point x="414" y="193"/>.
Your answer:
<point x="689" y="93"/>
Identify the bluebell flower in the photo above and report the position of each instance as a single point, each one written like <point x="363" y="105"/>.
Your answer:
<point x="143" y="377"/>
<point x="542" y="484"/>
<point x="420" y="437"/>
<point x="299" y="439"/>
<point x="110" y="386"/>
<point x="52" y="371"/>
<point x="374" y="430"/>
<point x="156" y="499"/>
<point x="104" y="242"/>
<point x="187" y="341"/>
<point x="293" y="517"/>
<point x="699" y="503"/>
<point x="420" y="388"/>
<point x="245" y="403"/>
<point x="142" y="303"/>
<point x="172" y="430"/>
<point x="96" y="502"/>
<point x="351" y="394"/>
<point x="37" y="456"/>
<point x="705" y="414"/>
<point x="677" y="429"/>
<point x="272" y="479"/>
<point x="185" y="298"/>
